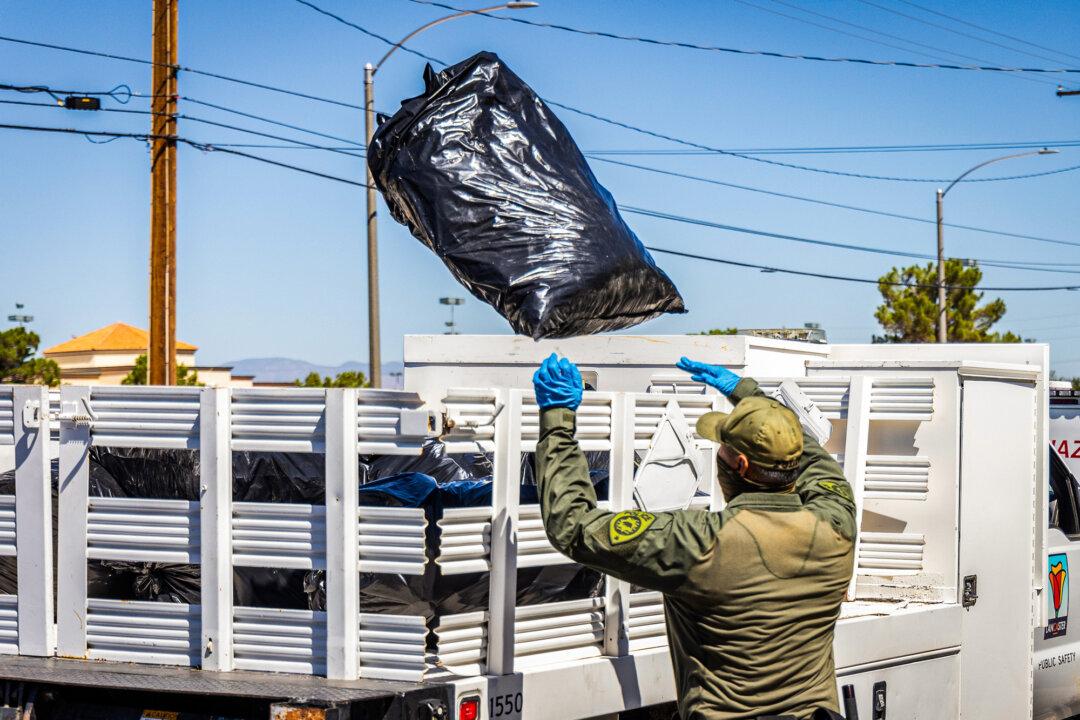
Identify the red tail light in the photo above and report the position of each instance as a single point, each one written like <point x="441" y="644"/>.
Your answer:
<point x="469" y="709"/>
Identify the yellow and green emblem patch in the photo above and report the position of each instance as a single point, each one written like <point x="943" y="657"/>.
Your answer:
<point x="629" y="525"/>
<point x="841" y="489"/>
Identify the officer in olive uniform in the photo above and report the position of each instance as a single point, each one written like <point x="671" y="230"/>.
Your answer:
<point x="751" y="593"/>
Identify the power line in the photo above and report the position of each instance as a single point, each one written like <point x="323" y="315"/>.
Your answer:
<point x="864" y="176"/>
<point x="688" y="143"/>
<point x="370" y="33"/>
<point x="738" y="51"/>
<point x="876" y="32"/>
<point x="939" y="26"/>
<point x="206" y="147"/>
<point x="993" y="32"/>
<point x="183" y="68"/>
<point x="1033" y="266"/>
<point x="263" y="118"/>
<point x="847" y="278"/>
<point x="827" y="203"/>
<point x="121" y="93"/>
<point x="846" y="149"/>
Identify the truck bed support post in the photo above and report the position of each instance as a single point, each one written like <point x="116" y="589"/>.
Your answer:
<point x="71" y="540"/>
<point x="342" y="552"/>
<point x="617" y="592"/>
<point x="502" y="590"/>
<point x="215" y="467"/>
<point x="33" y="523"/>
<point x="856" y="442"/>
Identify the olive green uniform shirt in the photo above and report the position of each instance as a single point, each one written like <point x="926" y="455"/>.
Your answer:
<point x="751" y="593"/>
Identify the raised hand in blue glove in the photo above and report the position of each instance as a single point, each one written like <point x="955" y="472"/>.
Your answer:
<point x="717" y="376"/>
<point x="557" y="384"/>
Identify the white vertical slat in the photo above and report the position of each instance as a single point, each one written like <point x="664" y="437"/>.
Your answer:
<point x="855" y="453"/>
<point x="502" y="588"/>
<point x="342" y="551"/>
<point x="71" y="539"/>
<point x="215" y="463"/>
<point x="33" y="525"/>
<point x="621" y="497"/>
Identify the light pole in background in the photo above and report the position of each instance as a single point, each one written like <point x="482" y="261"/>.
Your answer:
<point x="453" y="302"/>
<point x="942" y="323"/>
<point x="374" y="351"/>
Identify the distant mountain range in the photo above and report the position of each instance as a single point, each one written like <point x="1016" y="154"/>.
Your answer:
<point x="283" y="370"/>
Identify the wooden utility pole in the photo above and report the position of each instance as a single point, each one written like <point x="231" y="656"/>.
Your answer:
<point x="161" y="357"/>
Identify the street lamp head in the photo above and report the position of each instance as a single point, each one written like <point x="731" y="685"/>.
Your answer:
<point x="521" y="5"/>
<point x="1049" y="151"/>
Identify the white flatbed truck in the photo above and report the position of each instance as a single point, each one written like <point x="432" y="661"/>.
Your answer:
<point x="946" y="447"/>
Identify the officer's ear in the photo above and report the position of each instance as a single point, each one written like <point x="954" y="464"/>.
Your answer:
<point x="742" y="465"/>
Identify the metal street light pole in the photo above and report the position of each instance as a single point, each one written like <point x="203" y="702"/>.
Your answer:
<point x="374" y="351"/>
<point x="942" y="323"/>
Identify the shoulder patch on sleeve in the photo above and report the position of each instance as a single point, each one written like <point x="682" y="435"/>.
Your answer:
<point x="841" y="489"/>
<point x="628" y="525"/>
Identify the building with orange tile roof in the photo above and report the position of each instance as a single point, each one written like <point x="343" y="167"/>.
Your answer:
<point x="105" y="357"/>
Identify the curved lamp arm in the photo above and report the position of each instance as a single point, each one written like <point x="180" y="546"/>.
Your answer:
<point x="439" y="21"/>
<point x="1044" y="151"/>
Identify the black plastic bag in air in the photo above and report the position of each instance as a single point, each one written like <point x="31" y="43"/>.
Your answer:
<point x="483" y="173"/>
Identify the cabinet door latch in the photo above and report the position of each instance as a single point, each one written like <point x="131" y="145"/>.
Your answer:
<point x="971" y="590"/>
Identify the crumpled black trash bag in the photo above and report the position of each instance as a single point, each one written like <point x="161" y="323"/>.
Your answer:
<point x="483" y="173"/>
<point x="146" y="581"/>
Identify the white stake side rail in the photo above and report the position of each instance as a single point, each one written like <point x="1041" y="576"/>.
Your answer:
<point x="344" y="538"/>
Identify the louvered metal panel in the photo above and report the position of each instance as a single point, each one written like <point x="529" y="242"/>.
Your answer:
<point x="897" y="476"/>
<point x="145" y="632"/>
<point x="675" y="384"/>
<point x="593" y="422"/>
<point x="462" y="643"/>
<point x="7" y="525"/>
<point x="144" y="417"/>
<point x="279" y="535"/>
<point x="902" y="399"/>
<point x="279" y="640"/>
<point x="142" y="529"/>
<point x="9" y="624"/>
<point x="382" y="425"/>
<point x="7" y="416"/>
<point x="829" y="394"/>
<point x="649" y="411"/>
<point x="645" y="621"/>
<point x="470" y="420"/>
<point x="556" y="632"/>
<point x="391" y="540"/>
<point x="890" y="553"/>
<point x="533" y="547"/>
<point x="465" y="540"/>
<point x="393" y="647"/>
<point x="279" y="420"/>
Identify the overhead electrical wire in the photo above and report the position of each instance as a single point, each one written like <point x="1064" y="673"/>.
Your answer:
<point x="183" y="68"/>
<point x="847" y="149"/>
<point x="993" y="32"/>
<point x="876" y="32"/>
<point x="848" y="278"/>
<point x="827" y="203"/>
<point x="739" y="51"/>
<point x="265" y="119"/>
<point x="700" y="146"/>
<point x="1036" y="266"/>
<point x="765" y="268"/>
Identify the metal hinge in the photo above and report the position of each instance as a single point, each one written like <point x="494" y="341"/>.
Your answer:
<point x="32" y="414"/>
<point x="971" y="590"/>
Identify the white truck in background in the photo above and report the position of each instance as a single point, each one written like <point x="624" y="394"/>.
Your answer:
<point x="951" y="611"/>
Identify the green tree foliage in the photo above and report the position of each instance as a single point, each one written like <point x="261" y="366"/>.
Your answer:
<point x="720" y="331"/>
<point x="347" y="379"/>
<point x="137" y="376"/>
<point x="909" y="314"/>
<point x="17" y="362"/>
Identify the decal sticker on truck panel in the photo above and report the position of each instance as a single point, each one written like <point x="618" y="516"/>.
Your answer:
<point x="1057" y="596"/>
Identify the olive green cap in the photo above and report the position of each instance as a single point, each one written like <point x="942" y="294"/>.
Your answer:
<point x="762" y="429"/>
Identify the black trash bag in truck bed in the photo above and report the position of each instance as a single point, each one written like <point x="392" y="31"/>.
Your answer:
<point x="483" y="173"/>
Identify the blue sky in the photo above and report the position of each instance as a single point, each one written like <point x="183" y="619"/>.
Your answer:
<point x="271" y="262"/>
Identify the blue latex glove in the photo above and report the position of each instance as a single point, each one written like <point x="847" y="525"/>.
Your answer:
<point x="717" y="376"/>
<point x="557" y="384"/>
